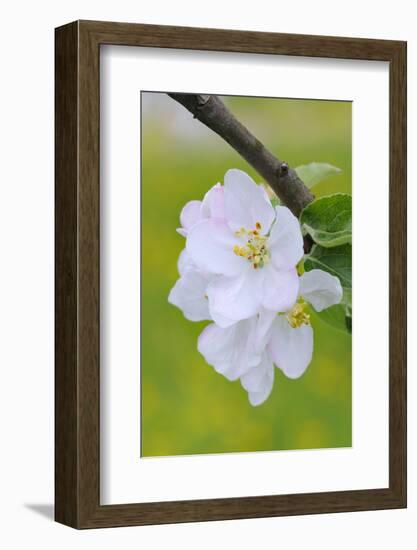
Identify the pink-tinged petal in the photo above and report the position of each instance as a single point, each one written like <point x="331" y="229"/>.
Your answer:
<point x="259" y="380"/>
<point x="189" y="295"/>
<point x="190" y="214"/>
<point x="229" y="350"/>
<point x="232" y="299"/>
<point x="280" y="290"/>
<point x="210" y="245"/>
<point x="246" y="203"/>
<point x="320" y="289"/>
<point x="291" y="349"/>
<point x="285" y="241"/>
<point x="213" y="203"/>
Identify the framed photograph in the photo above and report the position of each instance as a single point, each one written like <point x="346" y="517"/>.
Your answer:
<point x="230" y="274"/>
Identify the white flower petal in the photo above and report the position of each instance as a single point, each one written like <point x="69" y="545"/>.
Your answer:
<point x="320" y="289"/>
<point x="213" y="203"/>
<point x="210" y="245"/>
<point x="253" y="380"/>
<point x="291" y="349"/>
<point x="285" y="242"/>
<point x="246" y="203"/>
<point x="221" y="320"/>
<point x="259" y="380"/>
<point x="266" y="318"/>
<point x="257" y="398"/>
<point x="189" y="295"/>
<point x="281" y="288"/>
<point x="185" y="262"/>
<point x="232" y="299"/>
<point x="190" y="215"/>
<point x="229" y="350"/>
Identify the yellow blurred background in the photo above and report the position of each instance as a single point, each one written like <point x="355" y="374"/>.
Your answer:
<point x="186" y="407"/>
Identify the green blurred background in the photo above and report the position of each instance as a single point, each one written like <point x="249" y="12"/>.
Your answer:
<point x="186" y="407"/>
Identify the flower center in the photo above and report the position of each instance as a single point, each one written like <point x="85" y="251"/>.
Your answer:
<point x="255" y="249"/>
<point x="297" y="316"/>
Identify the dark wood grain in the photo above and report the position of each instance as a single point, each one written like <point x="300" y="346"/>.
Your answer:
<point x="66" y="237"/>
<point x="78" y="287"/>
<point x="398" y="273"/>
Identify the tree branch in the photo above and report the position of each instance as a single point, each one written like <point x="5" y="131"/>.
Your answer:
<point x="212" y="112"/>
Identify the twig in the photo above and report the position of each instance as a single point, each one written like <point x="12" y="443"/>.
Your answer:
<point x="212" y="112"/>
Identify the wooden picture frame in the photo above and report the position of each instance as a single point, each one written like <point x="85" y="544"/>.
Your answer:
<point x="77" y="405"/>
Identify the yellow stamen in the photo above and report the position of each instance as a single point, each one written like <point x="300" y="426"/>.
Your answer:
<point x="255" y="250"/>
<point x="297" y="316"/>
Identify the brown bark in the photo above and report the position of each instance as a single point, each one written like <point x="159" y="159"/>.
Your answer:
<point x="211" y="111"/>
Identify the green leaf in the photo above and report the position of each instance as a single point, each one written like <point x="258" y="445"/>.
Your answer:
<point x="336" y="261"/>
<point x="329" y="220"/>
<point x="336" y="317"/>
<point x="313" y="173"/>
<point x="349" y="321"/>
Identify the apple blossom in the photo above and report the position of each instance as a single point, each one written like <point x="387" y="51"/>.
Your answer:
<point x="288" y="337"/>
<point x="249" y="348"/>
<point x="253" y="251"/>
<point x="238" y="269"/>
